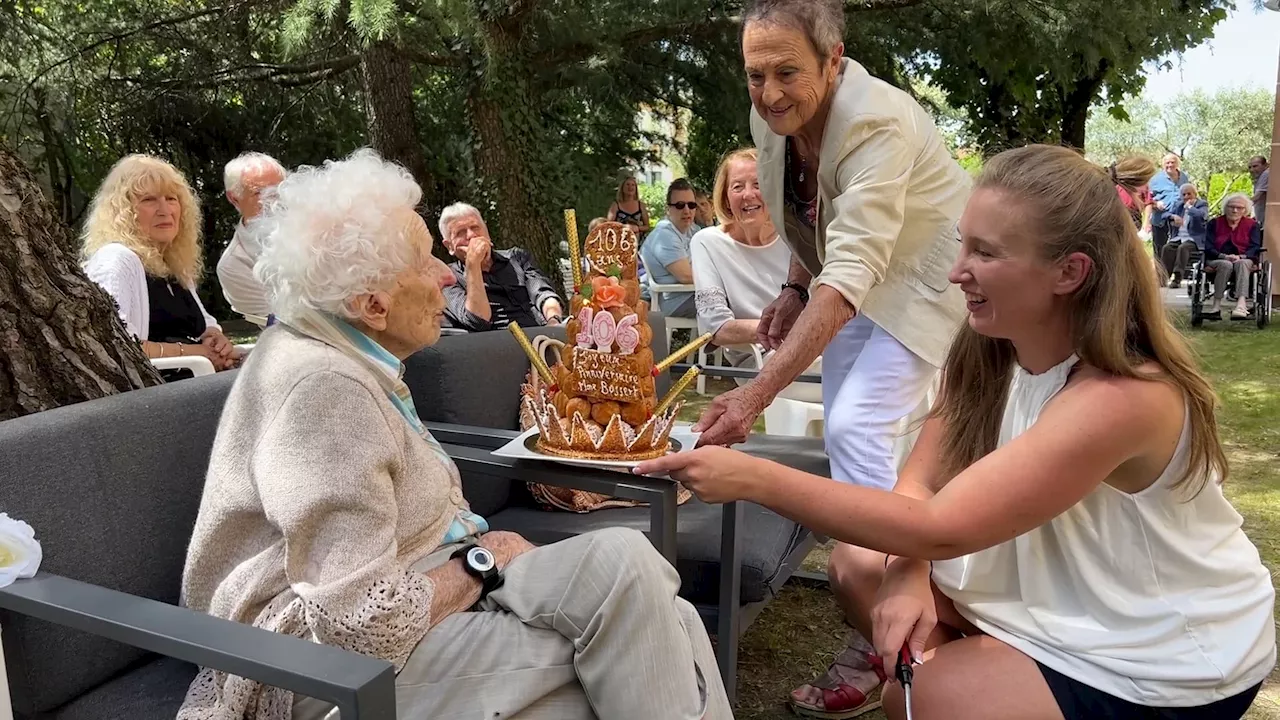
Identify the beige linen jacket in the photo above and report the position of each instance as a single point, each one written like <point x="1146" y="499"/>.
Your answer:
<point x="890" y="195"/>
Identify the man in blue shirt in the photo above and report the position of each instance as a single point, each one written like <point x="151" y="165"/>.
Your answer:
<point x="1261" y="173"/>
<point x="665" y="252"/>
<point x="1166" y="190"/>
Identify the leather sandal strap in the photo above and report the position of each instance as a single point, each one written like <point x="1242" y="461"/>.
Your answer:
<point x="844" y="697"/>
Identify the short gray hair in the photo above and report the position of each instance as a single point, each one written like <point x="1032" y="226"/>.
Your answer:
<point x="233" y="173"/>
<point x="821" y="21"/>
<point x="1248" y="202"/>
<point x="454" y="212"/>
<point x="1193" y="187"/>
<point x="332" y="233"/>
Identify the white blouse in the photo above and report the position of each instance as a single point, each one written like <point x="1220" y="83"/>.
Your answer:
<point x="1148" y="596"/>
<point x="119" y="271"/>
<point x="735" y="281"/>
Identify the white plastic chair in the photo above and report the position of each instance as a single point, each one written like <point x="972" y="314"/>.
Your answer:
<point x="797" y="410"/>
<point x="197" y="364"/>
<point x="677" y="323"/>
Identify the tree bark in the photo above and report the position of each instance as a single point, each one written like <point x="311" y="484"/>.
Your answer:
<point x="393" y="129"/>
<point x="1076" y="104"/>
<point x="61" y="339"/>
<point x="506" y="125"/>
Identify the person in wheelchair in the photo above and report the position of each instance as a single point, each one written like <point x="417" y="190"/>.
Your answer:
<point x="1188" y="219"/>
<point x="1233" y="243"/>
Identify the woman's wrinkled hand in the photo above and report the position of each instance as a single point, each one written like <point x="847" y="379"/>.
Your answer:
<point x="777" y="320"/>
<point x="728" y="418"/>
<point x="714" y="474"/>
<point x="222" y="353"/>
<point x="505" y="546"/>
<point x="905" y="612"/>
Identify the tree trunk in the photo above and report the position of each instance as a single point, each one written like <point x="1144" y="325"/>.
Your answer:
<point x="1076" y="104"/>
<point x="393" y="130"/>
<point x="61" y="339"/>
<point x="506" y="125"/>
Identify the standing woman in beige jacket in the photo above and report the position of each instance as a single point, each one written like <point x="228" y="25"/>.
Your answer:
<point x="867" y="195"/>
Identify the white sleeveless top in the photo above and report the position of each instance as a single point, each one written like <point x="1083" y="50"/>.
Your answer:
<point x="1147" y="596"/>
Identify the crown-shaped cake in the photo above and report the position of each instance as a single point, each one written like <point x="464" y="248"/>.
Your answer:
<point x="603" y="405"/>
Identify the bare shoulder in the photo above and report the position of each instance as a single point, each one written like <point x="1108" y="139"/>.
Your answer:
<point x="1141" y="412"/>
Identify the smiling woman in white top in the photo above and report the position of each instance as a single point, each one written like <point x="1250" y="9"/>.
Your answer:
<point x="739" y="266"/>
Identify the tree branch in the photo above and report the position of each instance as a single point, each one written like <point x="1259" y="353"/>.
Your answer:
<point x="424" y="58"/>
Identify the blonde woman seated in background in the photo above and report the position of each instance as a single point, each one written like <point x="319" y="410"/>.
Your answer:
<point x="141" y="243"/>
<point x="740" y="266"/>
<point x="331" y="514"/>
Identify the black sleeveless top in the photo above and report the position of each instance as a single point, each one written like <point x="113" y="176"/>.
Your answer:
<point x="175" y="315"/>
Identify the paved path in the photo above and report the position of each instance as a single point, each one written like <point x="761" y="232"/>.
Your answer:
<point x="1177" y="299"/>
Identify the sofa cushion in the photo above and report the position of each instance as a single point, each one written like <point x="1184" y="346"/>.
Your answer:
<point x="153" y="691"/>
<point x="112" y="488"/>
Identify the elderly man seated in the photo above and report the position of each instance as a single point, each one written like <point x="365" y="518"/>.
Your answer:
<point x="493" y="288"/>
<point x="331" y="514"/>
<point x="246" y="178"/>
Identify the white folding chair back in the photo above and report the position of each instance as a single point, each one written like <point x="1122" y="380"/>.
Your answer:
<point x="197" y="364"/>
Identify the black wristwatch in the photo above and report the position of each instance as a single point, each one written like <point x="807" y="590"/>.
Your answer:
<point x="801" y="290"/>
<point x="481" y="564"/>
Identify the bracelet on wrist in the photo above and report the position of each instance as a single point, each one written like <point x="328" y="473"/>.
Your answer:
<point x="801" y="290"/>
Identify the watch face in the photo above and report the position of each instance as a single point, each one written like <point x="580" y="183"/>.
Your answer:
<point x="480" y="559"/>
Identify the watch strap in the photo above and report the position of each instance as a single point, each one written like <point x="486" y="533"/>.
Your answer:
<point x="801" y="290"/>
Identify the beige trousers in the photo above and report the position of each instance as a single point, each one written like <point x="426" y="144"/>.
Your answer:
<point x="589" y="627"/>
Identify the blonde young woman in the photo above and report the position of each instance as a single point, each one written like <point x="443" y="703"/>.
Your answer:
<point x="141" y="243"/>
<point x="1058" y="546"/>
<point x="628" y="209"/>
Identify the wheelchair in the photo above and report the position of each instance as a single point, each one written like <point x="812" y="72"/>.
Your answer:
<point x="1260" y="287"/>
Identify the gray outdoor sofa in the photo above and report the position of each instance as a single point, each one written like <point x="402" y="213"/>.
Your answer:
<point x="112" y="488"/>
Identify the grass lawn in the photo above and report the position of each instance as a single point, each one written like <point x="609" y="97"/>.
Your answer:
<point x="799" y="633"/>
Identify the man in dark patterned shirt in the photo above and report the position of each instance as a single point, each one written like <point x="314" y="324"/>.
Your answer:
<point x="494" y="287"/>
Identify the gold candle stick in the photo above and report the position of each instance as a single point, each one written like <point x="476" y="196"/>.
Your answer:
<point x="680" y="354"/>
<point x="575" y="252"/>
<point x="534" y="357"/>
<point x="679" y="387"/>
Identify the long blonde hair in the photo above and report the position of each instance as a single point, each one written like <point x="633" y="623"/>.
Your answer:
<point x="720" y="193"/>
<point x="112" y="218"/>
<point x="1119" y="319"/>
<point x="618" y="196"/>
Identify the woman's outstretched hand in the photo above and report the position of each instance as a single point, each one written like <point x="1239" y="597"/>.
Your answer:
<point x="714" y="474"/>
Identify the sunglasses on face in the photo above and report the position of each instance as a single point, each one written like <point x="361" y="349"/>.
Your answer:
<point x="684" y="205"/>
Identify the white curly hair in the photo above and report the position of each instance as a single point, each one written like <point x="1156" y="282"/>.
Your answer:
<point x="333" y="233"/>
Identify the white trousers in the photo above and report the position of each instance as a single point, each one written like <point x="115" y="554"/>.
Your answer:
<point x="874" y="390"/>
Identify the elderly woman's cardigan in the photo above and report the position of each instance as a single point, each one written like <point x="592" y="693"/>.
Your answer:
<point x="318" y="500"/>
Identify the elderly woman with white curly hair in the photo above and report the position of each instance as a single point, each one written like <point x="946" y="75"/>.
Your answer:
<point x="330" y="513"/>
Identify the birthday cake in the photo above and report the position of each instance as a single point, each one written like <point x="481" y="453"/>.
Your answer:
<point x="600" y="402"/>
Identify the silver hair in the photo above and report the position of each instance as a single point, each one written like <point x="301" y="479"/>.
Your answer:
<point x="1248" y="203"/>
<point x="456" y="211"/>
<point x="233" y="173"/>
<point x="335" y="232"/>
<point x="1193" y="187"/>
<point x="821" y="21"/>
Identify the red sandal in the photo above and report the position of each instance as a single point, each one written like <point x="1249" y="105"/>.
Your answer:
<point x="844" y="700"/>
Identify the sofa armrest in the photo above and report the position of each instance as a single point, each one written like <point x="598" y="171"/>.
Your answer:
<point x="660" y="494"/>
<point x="362" y="687"/>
